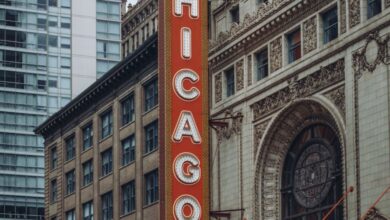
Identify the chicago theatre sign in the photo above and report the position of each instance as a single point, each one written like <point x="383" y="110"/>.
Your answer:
<point x="183" y="129"/>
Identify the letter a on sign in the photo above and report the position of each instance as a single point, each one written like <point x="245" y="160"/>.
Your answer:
<point x="183" y="110"/>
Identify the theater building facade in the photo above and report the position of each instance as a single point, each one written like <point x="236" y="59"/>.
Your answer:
<point x="299" y="108"/>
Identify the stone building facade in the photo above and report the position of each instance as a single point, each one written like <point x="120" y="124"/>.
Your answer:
<point x="101" y="150"/>
<point x="139" y="22"/>
<point x="300" y="108"/>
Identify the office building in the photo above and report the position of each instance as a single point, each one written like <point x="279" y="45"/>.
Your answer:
<point x="101" y="150"/>
<point x="300" y="108"/>
<point x="50" y="50"/>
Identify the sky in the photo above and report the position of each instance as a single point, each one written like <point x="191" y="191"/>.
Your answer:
<point x="132" y="1"/>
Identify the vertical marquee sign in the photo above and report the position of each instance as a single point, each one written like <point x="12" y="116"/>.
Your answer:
<point x="183" y="93"/>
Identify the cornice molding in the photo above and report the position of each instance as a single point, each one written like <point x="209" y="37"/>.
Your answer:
<point x="128" y="69"/>
<point x="265" y="11"/>
<point x="255" y="34"/>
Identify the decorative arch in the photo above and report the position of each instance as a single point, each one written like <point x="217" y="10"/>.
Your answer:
<point x="277" y="139"/>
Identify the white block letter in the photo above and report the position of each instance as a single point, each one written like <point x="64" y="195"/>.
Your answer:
<point x="186" y="43"/>
<point x="193" y="4"/>
<point x="179" y="78"/>
<point x="186" y="127"/>
<point x="190" y="202"/>
<point x="190" y="174"/>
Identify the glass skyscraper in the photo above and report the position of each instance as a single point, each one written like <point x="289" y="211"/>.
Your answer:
<point x="50" y="50"/>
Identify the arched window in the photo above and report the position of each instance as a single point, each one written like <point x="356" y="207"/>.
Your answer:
<point x="312" y="180"/>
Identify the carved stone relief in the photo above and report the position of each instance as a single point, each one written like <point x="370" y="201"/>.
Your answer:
<point x="234" y="125"/>
<point x="218" y="87"/>
<point x="309" y="35"/>
<point x="265" y="10"/>
<point x="249" y="67"/>
<point x="354" y="13"/>
<point x="298" y="88"/>
<point x="375" y="214"/>
<point x="240" y="74"/>
<point x="363" y="62"/>
<point x="337" y="96"/>
<point x="259" y="132"/>
<point x="343" y="16"/>
<point x="275" y="145"/>
<point x="387" y="3"/>
<point x="276" y="54"/>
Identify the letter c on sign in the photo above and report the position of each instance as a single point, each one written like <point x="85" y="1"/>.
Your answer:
<point x="191" y="203"/>
<point x="182" y="75"/>
<point x="190" y="175"/>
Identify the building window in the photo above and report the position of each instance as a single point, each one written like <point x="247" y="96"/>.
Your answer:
<point x="70" y="182"/>
<point x="235" y="14"/>
<point x="87" y="172"/>
<point x="128" y="110"/>
<point x="312" y="175"/>
<point x="329" y="20"/>
<point x="70" y="148"/>
<point x="53" y="3"/>
<point x="229" y="75"/>
<point x="374" y="7"/>
<point x="128" y="197"/>
<point x="262" y="64"/>
<point x="87" y="136"/>
<point x="107" y="206"/>
<point x="151" y="95"/>
<point x="53" y="190"/>
<point x="151" y="187"/>
<point x="106" y="123"/>
<point x="128" y="150"/>
<point x="151" y="135"/>
<point x="70" y="215"/>
<point x="65" y="3"/>
<point x="294" y="46"/>
<point x="88" y="211"/>
<point x="106" y="162"/>
<point x="53" y="158"/>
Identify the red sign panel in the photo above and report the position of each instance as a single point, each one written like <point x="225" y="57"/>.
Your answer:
<point x="183" y="109"/>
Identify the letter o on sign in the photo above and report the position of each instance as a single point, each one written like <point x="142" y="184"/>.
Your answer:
<point x="191" y="203"/>
<point x="189" y="175"/>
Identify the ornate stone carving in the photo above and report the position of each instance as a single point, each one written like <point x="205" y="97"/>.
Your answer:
<point x="363" y="62"/>
<point x="309" y="35"/>
<point x="275" y="145"/>
<point x="343" y="16"/>
<point x="375" y="214"/>
<point x="276" y="54"/>
<point x="249" y="68"/>
<point x="265" y="10"/>
<point x="234" y="125"/>
<point x="354" y="13"/>
<point x="315" y="82"/>
<point x="259" y="132"/>
<point x="338" y="98"/>
<point x="218" y="87"/>
<point x="387" y="3"/>
<point x="240" y="74"/>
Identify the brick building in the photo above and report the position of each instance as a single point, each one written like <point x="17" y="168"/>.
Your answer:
<point x="304" y="90"/>
<point x="101" y="151"/>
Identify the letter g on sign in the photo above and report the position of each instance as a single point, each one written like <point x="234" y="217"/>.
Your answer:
<point x="189" y="174"/>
